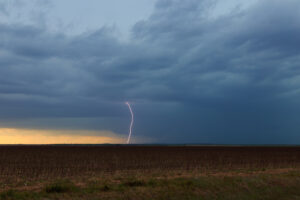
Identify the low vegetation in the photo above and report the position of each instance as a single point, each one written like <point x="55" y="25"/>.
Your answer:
<point x="132" y="172"/>
<point x="263" y="185"/>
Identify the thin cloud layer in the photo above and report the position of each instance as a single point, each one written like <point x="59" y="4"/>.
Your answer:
<point x="193" y="78"/>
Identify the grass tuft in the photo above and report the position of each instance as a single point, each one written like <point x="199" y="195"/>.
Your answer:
<point x="134" y="183"/>
<point x="60" y="187"/>
<point x="10" y="194"/>
<point x="17" y="195"/>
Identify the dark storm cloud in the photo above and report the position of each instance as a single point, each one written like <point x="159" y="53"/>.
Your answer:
<point x="219" y="58"/>
<point x="228" y="79"/>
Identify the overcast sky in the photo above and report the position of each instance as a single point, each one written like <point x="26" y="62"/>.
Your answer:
<point x="195" y="71"/>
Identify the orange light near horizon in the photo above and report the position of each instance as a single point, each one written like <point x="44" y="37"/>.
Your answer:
<point x="28" y="136"/>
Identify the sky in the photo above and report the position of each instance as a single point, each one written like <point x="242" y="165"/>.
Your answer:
<point x="194" y="71"/>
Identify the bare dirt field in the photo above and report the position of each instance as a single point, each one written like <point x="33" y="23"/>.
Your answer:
<point x="149" y="172"/>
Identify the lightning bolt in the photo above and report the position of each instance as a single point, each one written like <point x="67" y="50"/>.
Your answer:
<point x="131" y="123"/>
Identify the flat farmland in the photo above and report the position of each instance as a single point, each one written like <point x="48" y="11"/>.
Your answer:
<point x="149" y="172"/>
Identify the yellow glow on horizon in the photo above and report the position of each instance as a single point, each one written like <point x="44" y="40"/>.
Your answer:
<point x="28" y="136"/>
